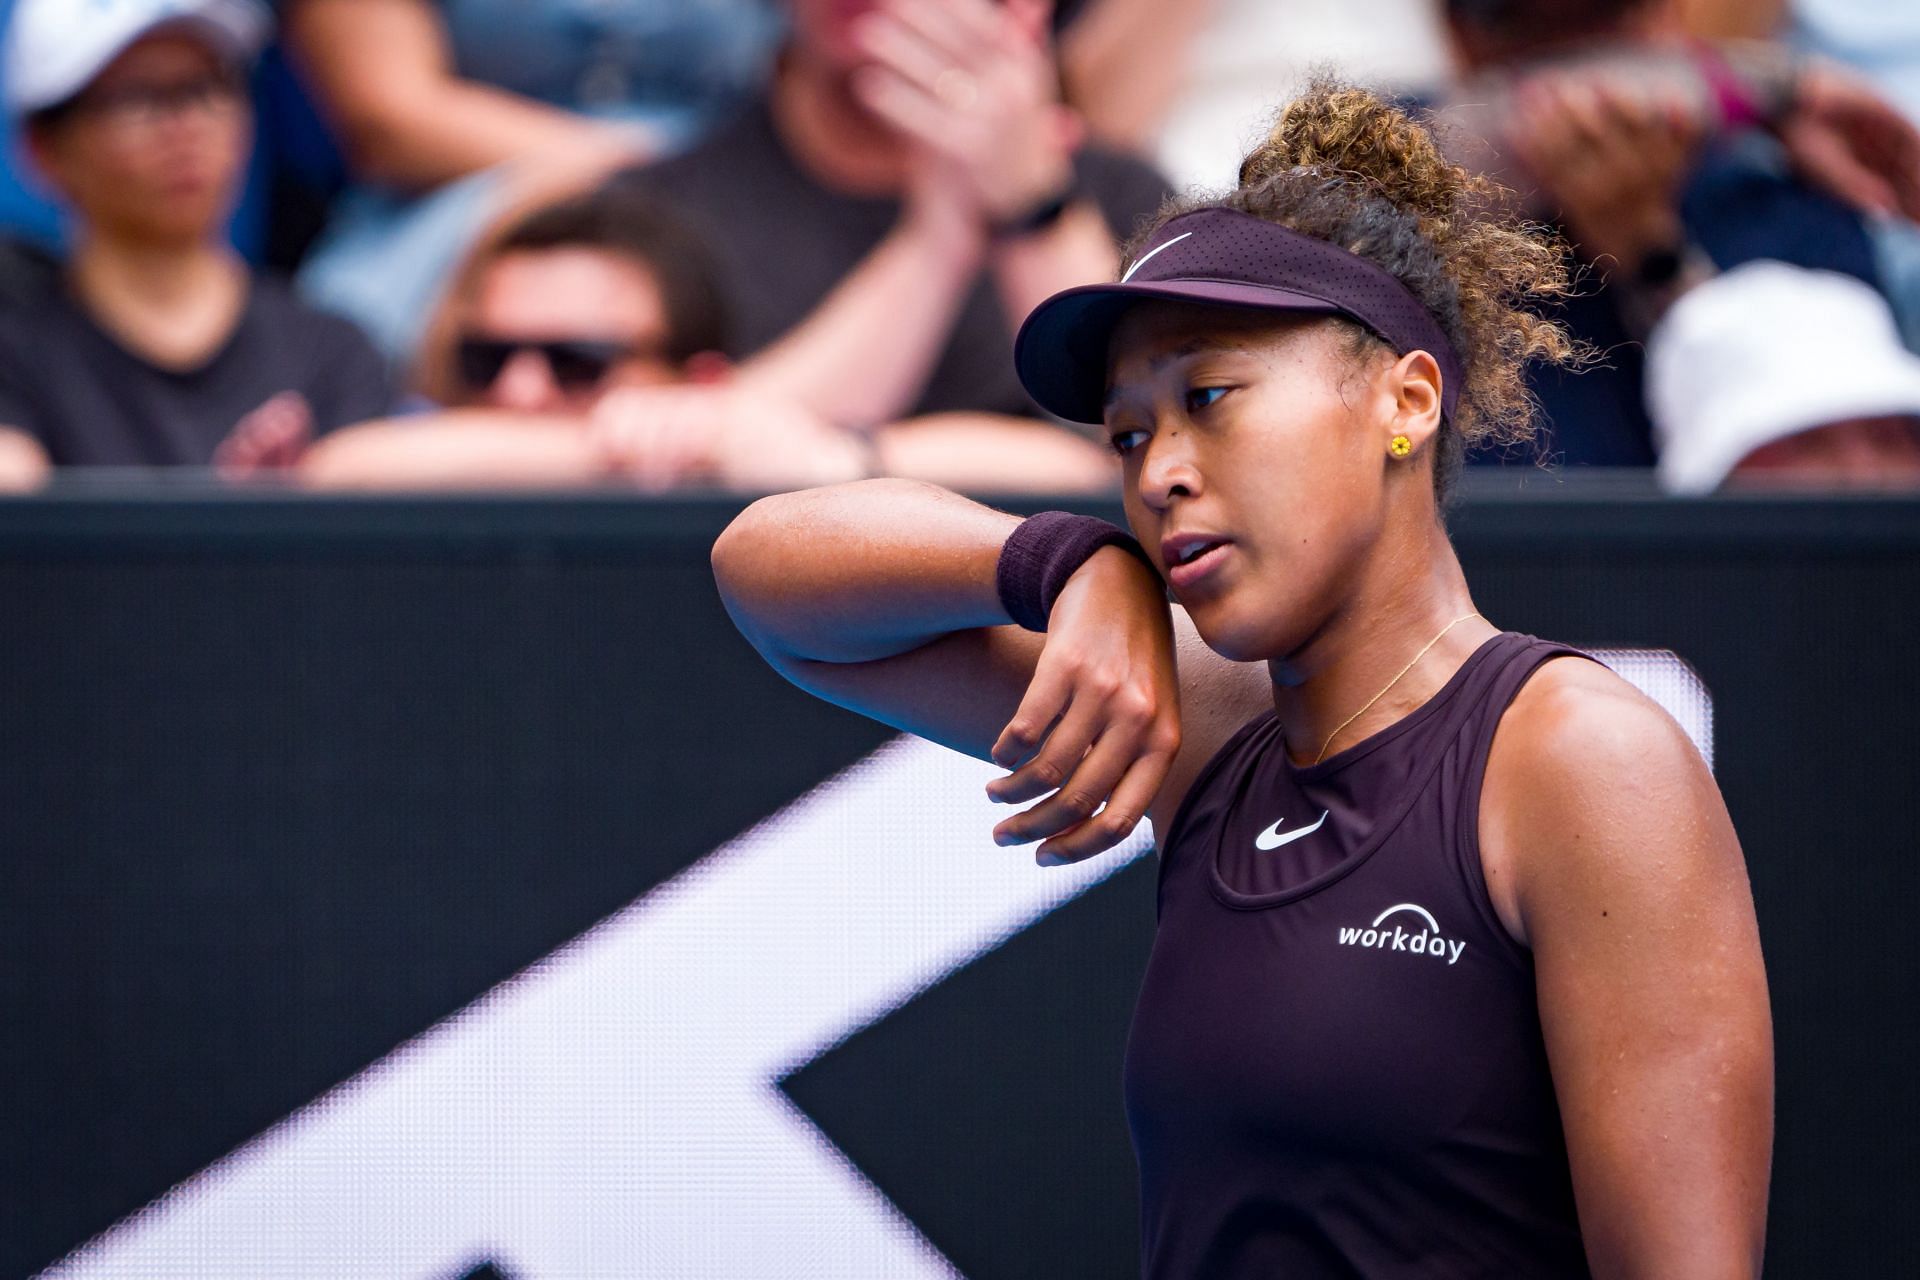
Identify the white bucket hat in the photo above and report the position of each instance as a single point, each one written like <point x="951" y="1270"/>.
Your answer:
<point x="1763" y="352"/>
<point x="56" y="47"/>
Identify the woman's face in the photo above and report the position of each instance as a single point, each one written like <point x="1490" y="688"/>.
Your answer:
<point x="1254" y="451"/>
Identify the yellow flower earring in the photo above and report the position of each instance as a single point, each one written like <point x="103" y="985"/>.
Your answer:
<point x="1400" y="446"/>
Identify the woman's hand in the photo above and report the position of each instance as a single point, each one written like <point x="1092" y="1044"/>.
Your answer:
<point x="1100" y="722"/>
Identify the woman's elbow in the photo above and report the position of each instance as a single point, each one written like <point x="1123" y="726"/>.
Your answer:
<point x="741" y="553"/>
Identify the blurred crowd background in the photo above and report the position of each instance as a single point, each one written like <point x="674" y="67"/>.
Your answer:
<point x="758" y="244"/>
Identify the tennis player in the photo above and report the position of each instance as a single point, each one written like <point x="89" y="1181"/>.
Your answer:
<point x="1456" y="971"/>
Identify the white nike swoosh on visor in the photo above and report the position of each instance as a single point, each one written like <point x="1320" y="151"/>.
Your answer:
<point x="1143" y="261"/>
<point x="1272" y="839"/>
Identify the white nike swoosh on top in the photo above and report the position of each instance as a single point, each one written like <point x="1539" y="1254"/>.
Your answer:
<point x="1272" y="839"/>
<point x="1143" y="261"/>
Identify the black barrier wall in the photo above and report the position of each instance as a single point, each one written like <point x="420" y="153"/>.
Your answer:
<point x="292" y="780"/>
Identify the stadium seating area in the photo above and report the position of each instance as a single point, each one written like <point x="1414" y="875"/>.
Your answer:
<point x="480" y="245"/>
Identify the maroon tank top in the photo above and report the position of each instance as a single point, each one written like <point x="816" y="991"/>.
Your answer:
<point x="1336" y="1065"/>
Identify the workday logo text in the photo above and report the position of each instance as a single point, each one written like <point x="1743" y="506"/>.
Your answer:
<point x="1382" y="936"/>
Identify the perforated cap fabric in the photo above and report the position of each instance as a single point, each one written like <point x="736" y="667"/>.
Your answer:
<point x="1226" y="258"/>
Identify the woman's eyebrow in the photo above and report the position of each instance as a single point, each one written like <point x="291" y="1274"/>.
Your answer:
<point x="1191" y="347"/>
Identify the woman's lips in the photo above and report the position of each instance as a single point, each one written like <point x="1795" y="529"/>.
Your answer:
<point x="1192" y="573"/>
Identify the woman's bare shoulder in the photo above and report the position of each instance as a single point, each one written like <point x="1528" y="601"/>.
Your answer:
<point x="1575" y="713"/>
<point x="1589" y="780"/>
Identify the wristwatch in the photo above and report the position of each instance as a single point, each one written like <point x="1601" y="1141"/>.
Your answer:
<point x="1041" y="215"/>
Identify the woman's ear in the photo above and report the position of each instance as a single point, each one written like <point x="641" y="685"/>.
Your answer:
<point x="1415" y="384"/>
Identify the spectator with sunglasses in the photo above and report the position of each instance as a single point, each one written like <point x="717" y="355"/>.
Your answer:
<point x="547" y="336"/>
<point x="584" y="344"/>
<point x="152" y="344"/>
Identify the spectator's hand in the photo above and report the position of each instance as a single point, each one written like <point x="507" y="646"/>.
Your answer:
<point x="269" y="438"/>
<point x="1846" y="139"/>
<point x="728" y="435"/>
<point x="1612" y="154"/>
<point x="23" y="463"/>
<point x="973" y="83"/>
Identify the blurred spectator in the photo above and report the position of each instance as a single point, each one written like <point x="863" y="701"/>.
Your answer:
<point x="913" y="176"/>
<point x="1883" y="41"/>
<point x="1765" y="156"/>
<point x="1195" y="84"/>
<point x="584" y="344"/>
<point x="1775" y="375"/>
<point x="447" y="109"/>
<point x="153" y="344"/>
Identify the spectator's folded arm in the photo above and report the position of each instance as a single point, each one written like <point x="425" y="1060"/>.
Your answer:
<point x="478" y="448"/>
<point x="994" y="453"/>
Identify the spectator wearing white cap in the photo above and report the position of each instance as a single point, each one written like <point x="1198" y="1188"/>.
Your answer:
<point x="153" y="344"/>
<point x="1775" y="375"/>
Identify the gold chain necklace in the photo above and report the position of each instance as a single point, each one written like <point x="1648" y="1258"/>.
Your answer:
<point x="1396" y="680"/>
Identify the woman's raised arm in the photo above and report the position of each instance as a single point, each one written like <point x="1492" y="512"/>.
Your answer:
<point x="881" y="596"/>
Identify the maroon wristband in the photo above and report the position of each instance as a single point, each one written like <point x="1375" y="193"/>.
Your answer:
<point x="1043" y="552"/>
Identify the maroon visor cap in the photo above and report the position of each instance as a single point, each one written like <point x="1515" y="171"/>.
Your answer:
<point x="1225" y="258"/>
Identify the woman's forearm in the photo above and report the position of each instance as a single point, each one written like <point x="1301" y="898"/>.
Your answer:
<point x="856" y="572"/>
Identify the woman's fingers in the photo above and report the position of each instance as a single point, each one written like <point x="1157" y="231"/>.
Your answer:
<point x="1114" y="823"/>
<point x="1066" y="742"/>
<point x="1080" y="792"/>
<point x="1040" y="708"/>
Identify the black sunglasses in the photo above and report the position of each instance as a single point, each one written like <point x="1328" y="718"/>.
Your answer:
<point x="577" y="364"/>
